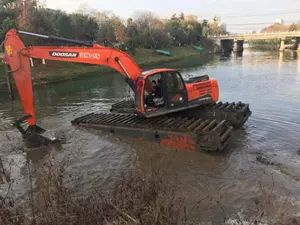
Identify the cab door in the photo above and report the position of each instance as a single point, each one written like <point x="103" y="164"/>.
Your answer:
<point x="175" y="90"/>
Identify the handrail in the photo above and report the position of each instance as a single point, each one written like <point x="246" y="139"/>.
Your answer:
<point x="285" y="33"/>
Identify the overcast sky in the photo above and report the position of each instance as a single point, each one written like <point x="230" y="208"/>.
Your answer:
<point x="235" y="13"/>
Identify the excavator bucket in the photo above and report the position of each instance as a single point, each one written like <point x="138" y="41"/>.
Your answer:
<point x="17" y="66"/>
<point x="34" y="135"/>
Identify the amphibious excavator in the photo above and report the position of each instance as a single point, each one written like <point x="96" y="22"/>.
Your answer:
<point x="166" y="109"/>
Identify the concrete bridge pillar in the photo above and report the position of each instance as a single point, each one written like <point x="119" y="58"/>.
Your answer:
<point x="226" y="45"/>
<point x="238" y="46"/>
<point x="298" y="43"/>
<point x="282" y="45"/>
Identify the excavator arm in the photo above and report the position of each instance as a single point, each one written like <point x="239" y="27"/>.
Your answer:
<point x="19" y="57"/>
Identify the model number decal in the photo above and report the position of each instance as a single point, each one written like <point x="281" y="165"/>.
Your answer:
<point x="182" y="142"/>
<point x="203" y="99"/>
<point x="87" y="55"/>
<point x="64" y="54"/>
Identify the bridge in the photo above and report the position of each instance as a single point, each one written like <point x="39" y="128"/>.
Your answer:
<point x="237" y="40"/>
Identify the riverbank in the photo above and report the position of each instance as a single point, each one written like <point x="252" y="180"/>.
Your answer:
<point x="260" y="168"/>
<point x="56" y="72"/>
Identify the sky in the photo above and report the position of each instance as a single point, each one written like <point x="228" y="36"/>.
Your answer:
<point x="239" y="15"/>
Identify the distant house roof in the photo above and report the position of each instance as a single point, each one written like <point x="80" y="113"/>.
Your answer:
<point x="276" y="28"/>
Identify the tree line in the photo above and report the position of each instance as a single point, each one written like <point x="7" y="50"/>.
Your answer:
<point x="294" y="27"/>
<point x="143" y="30"/>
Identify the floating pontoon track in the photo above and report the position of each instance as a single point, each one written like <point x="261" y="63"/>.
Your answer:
<point x="235" y="113"/>
<point x="181" y="133"/>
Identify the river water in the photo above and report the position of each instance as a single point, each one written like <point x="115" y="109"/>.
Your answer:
<point x="235" y="179"/>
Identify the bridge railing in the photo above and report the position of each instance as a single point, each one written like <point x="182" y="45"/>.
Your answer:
<point x="283" y="33"/>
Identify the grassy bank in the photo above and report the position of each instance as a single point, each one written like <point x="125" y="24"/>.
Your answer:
<point x="55" y="71"/>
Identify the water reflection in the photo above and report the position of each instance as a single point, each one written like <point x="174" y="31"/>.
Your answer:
<point x="294" y="55"/>
<point x="280" y="61"/>
<point x="238" y="54"/>
<point x="298" y="63"/>
<point x="268" y="81"/>
<point x="226" y="55"/>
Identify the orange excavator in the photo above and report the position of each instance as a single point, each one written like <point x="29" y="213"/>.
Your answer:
<point x="164" y="104"/>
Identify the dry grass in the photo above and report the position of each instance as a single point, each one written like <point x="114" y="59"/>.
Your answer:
<point x="138" y="198"/>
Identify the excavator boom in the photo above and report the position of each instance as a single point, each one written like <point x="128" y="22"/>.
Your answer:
<point x="96" y="55"/>
<point x="167" y="110"/>
<point x="18" y="58"/>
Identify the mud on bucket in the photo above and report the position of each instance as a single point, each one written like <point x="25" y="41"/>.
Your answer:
<point x="34" y="135"/>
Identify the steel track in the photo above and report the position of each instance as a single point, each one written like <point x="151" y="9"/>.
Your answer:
<point x="235" y="113"/>
<point x="176" y="132"/>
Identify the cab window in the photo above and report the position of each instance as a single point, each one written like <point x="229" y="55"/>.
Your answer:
<point x="174" y="81"/>
<point x="180" y="84"/>
<point x="153" y="93"/>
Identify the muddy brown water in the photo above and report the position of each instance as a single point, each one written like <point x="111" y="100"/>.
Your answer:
<point x="268" y="81"/>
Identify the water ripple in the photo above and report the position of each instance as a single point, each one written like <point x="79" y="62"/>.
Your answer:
<point x="268" y="82"/>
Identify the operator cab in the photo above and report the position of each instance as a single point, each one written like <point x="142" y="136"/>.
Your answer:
<point x="159" y="91"/>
